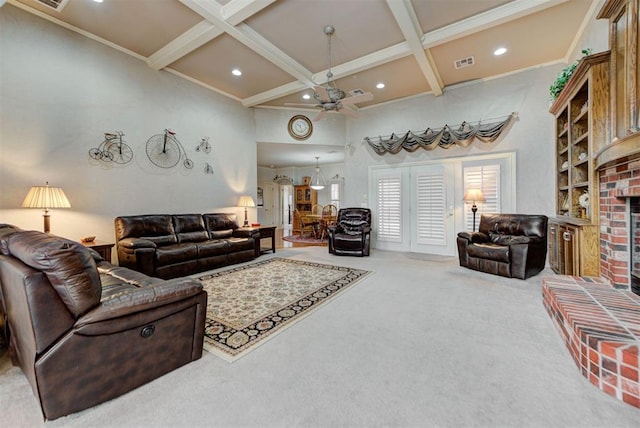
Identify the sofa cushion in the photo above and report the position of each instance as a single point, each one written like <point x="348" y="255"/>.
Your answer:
<point x="156" y="228"/>
<point x="499" y="253"/>
<point x="189" y="228"/>
<point x="220" y="225"/>
<point x="240" y="244"/>
<point x="177" y="253"/>
<point x="216" y="247"/>
<point x="68" y="265"/>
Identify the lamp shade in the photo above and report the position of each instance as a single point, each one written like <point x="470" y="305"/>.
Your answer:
<point x="46" y="197"/>
<point x="246" y="201"/>
<point x="473" y="195"/>
<point x="318" y="181"/>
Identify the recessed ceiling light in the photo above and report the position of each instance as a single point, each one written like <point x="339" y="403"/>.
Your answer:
<point x="236" y="72"/>
<point x="380" y="85"/>
<point x="306" y="97"/>
<point x="500" y="51"/>
<point x="98" y="1"/>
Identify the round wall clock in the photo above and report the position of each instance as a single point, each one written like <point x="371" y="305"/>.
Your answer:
<point x="300" y="127"/>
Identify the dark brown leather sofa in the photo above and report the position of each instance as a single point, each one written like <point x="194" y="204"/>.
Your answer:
<point x="169" y="246"/>
<point x="351" y="235"/>
<point x="84" y="331"/>
<point x="511" y="245"/>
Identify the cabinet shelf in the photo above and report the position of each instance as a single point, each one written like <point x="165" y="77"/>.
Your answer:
<point x="581" y="116"/>
<point x="581" y="138"/>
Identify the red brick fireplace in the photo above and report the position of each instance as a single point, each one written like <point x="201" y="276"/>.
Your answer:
<point x="619" y="195"/>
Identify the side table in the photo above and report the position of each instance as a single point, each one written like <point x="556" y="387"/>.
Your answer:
<point x="268" y="232"/>
<point x="102" y="248"/>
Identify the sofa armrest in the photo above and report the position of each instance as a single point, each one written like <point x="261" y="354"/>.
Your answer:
<point x="141" y="299"/>
<point x="475" y="237"/>
<point x="246" y="232"/>
<point x="135" y="243"/>
<point x="521" y="239"/>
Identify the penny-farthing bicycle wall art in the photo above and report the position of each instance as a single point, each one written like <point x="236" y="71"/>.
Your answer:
<point x="165" y="151"/>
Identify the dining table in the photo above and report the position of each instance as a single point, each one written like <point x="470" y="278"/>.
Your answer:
<point x="318" y="218"/>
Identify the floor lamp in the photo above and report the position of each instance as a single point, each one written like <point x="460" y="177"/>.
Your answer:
<point x="246" y="201"/>
<point x="473" y="196"/>
<point x="46" y="197"/>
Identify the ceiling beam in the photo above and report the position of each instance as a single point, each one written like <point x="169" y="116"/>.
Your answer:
<point x="210" y="10"/>
<point x="233" y="12"/>
<point x="482" y="21"/>
<point x="407" y="20"/>
<point x="493" y="17"/>
<point x="188" y="41"/>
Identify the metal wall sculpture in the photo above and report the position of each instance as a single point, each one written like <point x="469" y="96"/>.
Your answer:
<point x="445" y="137"/>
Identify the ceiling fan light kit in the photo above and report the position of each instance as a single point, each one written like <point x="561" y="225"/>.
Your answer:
<point x="329" y="96"/>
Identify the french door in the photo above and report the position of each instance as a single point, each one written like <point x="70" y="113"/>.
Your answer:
<point x="419" y="207"/>
<point x="432" y="209"/>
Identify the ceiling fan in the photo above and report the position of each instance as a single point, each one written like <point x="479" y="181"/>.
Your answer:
<point x="332" y="98"/>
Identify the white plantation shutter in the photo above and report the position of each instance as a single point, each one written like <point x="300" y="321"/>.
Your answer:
<point x="431" y="208"/>
<point x="487" y="179"/>
<point x="389" y="208"/>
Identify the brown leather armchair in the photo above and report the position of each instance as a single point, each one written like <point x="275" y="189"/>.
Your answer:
<point x="84" y="331"/>
<point x="511" y="245"/>
<point x="351" y="235"/>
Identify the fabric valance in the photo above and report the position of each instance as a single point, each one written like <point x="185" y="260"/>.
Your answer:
<point x="445" y="137"/>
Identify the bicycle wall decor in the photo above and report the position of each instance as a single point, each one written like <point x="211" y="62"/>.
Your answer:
<point x="112" y="149"/>
<point x="165" y="151"/>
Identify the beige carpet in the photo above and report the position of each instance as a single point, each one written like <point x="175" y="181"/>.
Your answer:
<point x="251" y="303"/>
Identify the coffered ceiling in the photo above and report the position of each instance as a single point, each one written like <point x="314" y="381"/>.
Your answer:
<point x="410" y="46"/>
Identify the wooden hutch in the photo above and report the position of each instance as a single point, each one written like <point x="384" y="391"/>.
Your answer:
<point x="304" y="198"/>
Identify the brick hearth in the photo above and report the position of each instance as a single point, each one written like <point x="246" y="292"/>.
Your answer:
<point x="600" y="326"/>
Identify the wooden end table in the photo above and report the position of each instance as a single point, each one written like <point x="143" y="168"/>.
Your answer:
<point x="268" y="232"/>
<point x="102" y="248"/>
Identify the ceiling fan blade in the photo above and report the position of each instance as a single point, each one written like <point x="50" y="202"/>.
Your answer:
<point x="322" y="93"/>
<point x="319" y="116"/>
<point x="348" y="112"/>
<point x="303" y="105"/>
<point x="367" y="96"/>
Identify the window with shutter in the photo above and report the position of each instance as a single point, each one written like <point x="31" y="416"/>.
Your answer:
<point x="487" y="179"/>
<point x="431" y="208"/>
<point x="389" y="208"/>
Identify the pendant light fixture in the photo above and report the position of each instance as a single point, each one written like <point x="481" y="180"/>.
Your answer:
<point x="317" y="179"/>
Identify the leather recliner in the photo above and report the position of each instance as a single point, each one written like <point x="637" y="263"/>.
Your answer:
<point x="351" y="234"/>
<point x="85" y="331"/>
<point x="511" y="245"/>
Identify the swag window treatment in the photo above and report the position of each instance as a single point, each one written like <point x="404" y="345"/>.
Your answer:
<point x="445" y="137"/>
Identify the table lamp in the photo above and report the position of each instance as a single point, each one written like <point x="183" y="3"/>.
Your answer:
<point x="45" y="197"/>
<point x="246" y="201"/>
<point x="473" y="196"/>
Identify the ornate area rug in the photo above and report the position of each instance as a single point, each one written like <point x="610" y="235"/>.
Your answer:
<point x="251" y="303"/>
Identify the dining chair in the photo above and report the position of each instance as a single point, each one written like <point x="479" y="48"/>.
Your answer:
<point x="329" y="215"/>
<point x="305" y="224"/>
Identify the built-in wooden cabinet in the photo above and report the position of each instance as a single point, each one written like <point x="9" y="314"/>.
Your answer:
<point x="582" y="123"/>
<point x="304" y="198"/>
<point x="574" y="247"/>
<point x="623" y="42"/>
<point x="581" y="116"/>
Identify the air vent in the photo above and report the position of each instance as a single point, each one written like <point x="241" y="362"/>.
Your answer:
<point x="464" y="62"/>
<point x="356" y="92"/>
<point x="56" y="5"/>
